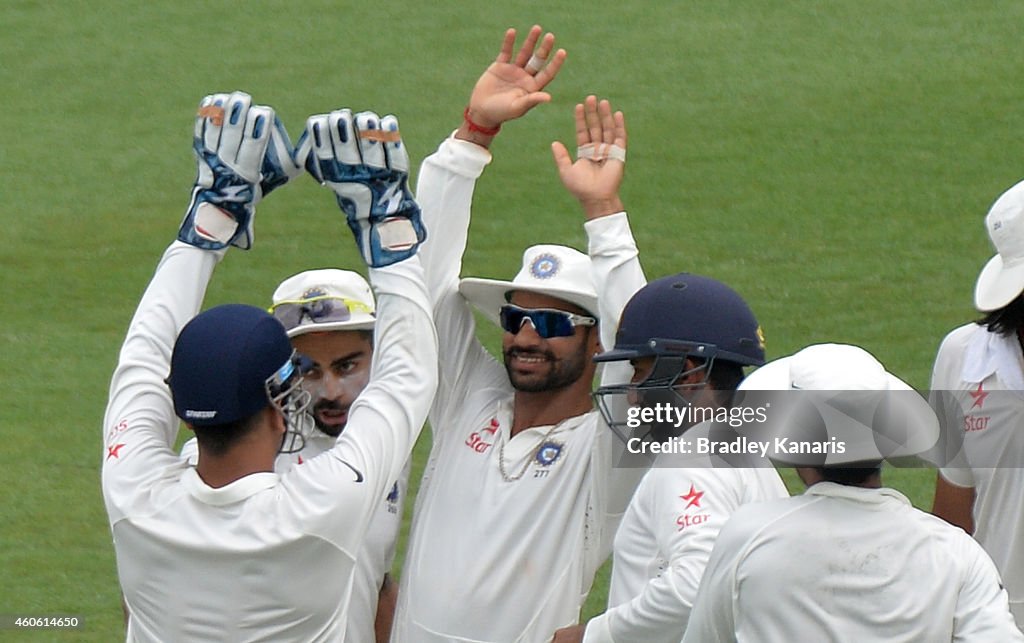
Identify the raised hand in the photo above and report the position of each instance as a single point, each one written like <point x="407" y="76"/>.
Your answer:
<point x="513" y="85"/>
<point x="594" y="179"/>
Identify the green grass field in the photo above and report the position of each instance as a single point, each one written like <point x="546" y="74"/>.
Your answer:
<point x="831" y="161"/>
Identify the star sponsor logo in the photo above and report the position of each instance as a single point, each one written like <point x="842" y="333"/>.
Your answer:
<point x="692" y="498"/>
<point x="686" y="520"/>
<point x="483" y="439"/>
<point x="978" y="395"/>
<point x="974" y="423"/>
<point x="114" y="451"/>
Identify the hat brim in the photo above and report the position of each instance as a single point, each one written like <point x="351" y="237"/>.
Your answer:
<point x="489" y="295"/>
<point x="358" y="321"/>
<point x="776" y="376"/>
<point x="998" y="284"/>
<point x="906" y="408"/>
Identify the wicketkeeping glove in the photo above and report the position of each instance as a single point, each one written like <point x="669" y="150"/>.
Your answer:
<point x="363" y="160"/>
<point x="243" y="153"/>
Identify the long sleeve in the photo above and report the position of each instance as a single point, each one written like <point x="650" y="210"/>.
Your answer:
<point x="384" y="421"/>
<point x="618" y="275"/>
<point x="139" y="424"/>
<point x="444" y="191"/>
<point x="685" y="510"/>
<point x="982" y="606"/>
<point x="617" y="270"/>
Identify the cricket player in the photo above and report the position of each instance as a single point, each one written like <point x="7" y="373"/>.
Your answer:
<point x="688" y="339"/>
<point x="229" y="549"/>
<point x="849" y="559"/>
<point x="519" y="499"/>
<point x="329" y="315"/>
<point x="978" y="393"/>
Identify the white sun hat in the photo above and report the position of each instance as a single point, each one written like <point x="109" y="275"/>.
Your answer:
<point x="842" y="394"/>
<point x="1002" y="278"/>
<point x="322" y="300"/>
<point x="556" y="271"/>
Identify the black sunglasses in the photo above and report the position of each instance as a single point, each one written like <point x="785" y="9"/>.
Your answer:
<point x="546" y="321"/>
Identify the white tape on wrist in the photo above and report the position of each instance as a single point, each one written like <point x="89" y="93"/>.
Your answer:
<point x="601" y="152"/>
<point x="534" y="64"/>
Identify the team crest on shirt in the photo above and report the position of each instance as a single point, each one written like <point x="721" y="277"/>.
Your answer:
<point x="545" y="266"/>
<point x="483" y="439"/>
<point x="549" y="452"/>
<point x="391" y="500"/>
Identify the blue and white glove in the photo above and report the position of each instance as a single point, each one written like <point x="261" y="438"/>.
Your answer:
<point x="243" y="153"/>
<point x="363" y="160"/>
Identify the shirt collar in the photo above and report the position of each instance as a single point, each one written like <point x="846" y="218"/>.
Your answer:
<point x="989" y="353"/>
<point x="237" y="491"/>
<point x="882" y="497"/>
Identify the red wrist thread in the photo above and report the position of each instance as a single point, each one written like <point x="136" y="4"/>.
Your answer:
<point x="473" y="127"/>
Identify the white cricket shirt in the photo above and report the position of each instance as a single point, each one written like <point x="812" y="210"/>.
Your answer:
<point x="842" y="563"/>
<point x="377" y="553"/>
<point x="507" y="533"/>
<point x="269" y="557"/>
<point x="989" y="417"/>
<point x="663" y="545"/>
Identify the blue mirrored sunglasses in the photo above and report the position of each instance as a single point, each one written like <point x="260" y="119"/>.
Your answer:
<point x="546" y="321"/>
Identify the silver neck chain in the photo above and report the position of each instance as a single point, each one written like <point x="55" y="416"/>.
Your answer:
<point x="532" y="456"/>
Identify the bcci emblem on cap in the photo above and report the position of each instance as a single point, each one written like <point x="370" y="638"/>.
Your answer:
<point x="545" y="266"/>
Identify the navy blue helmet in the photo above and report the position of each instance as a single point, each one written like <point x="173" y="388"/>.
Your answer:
<point x="674" y="319"/>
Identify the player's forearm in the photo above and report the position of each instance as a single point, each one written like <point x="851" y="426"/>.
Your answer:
<point x="139" y="424"/>
<point x="954" y="504"/>
<point x="444" y="191"/>
<point x="659" y="614"/>
<point x="982" y="609"/>
<point x="388" y="415"/>
<point x="616" y="269"/>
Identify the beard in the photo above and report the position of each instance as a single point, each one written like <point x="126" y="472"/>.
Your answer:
<point x="560" y="373"/>
<point x="333" y="430"/>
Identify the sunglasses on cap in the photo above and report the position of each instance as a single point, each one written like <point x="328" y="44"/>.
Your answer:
<point x="546" y="321"/>
<point x="323" y="309"/>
